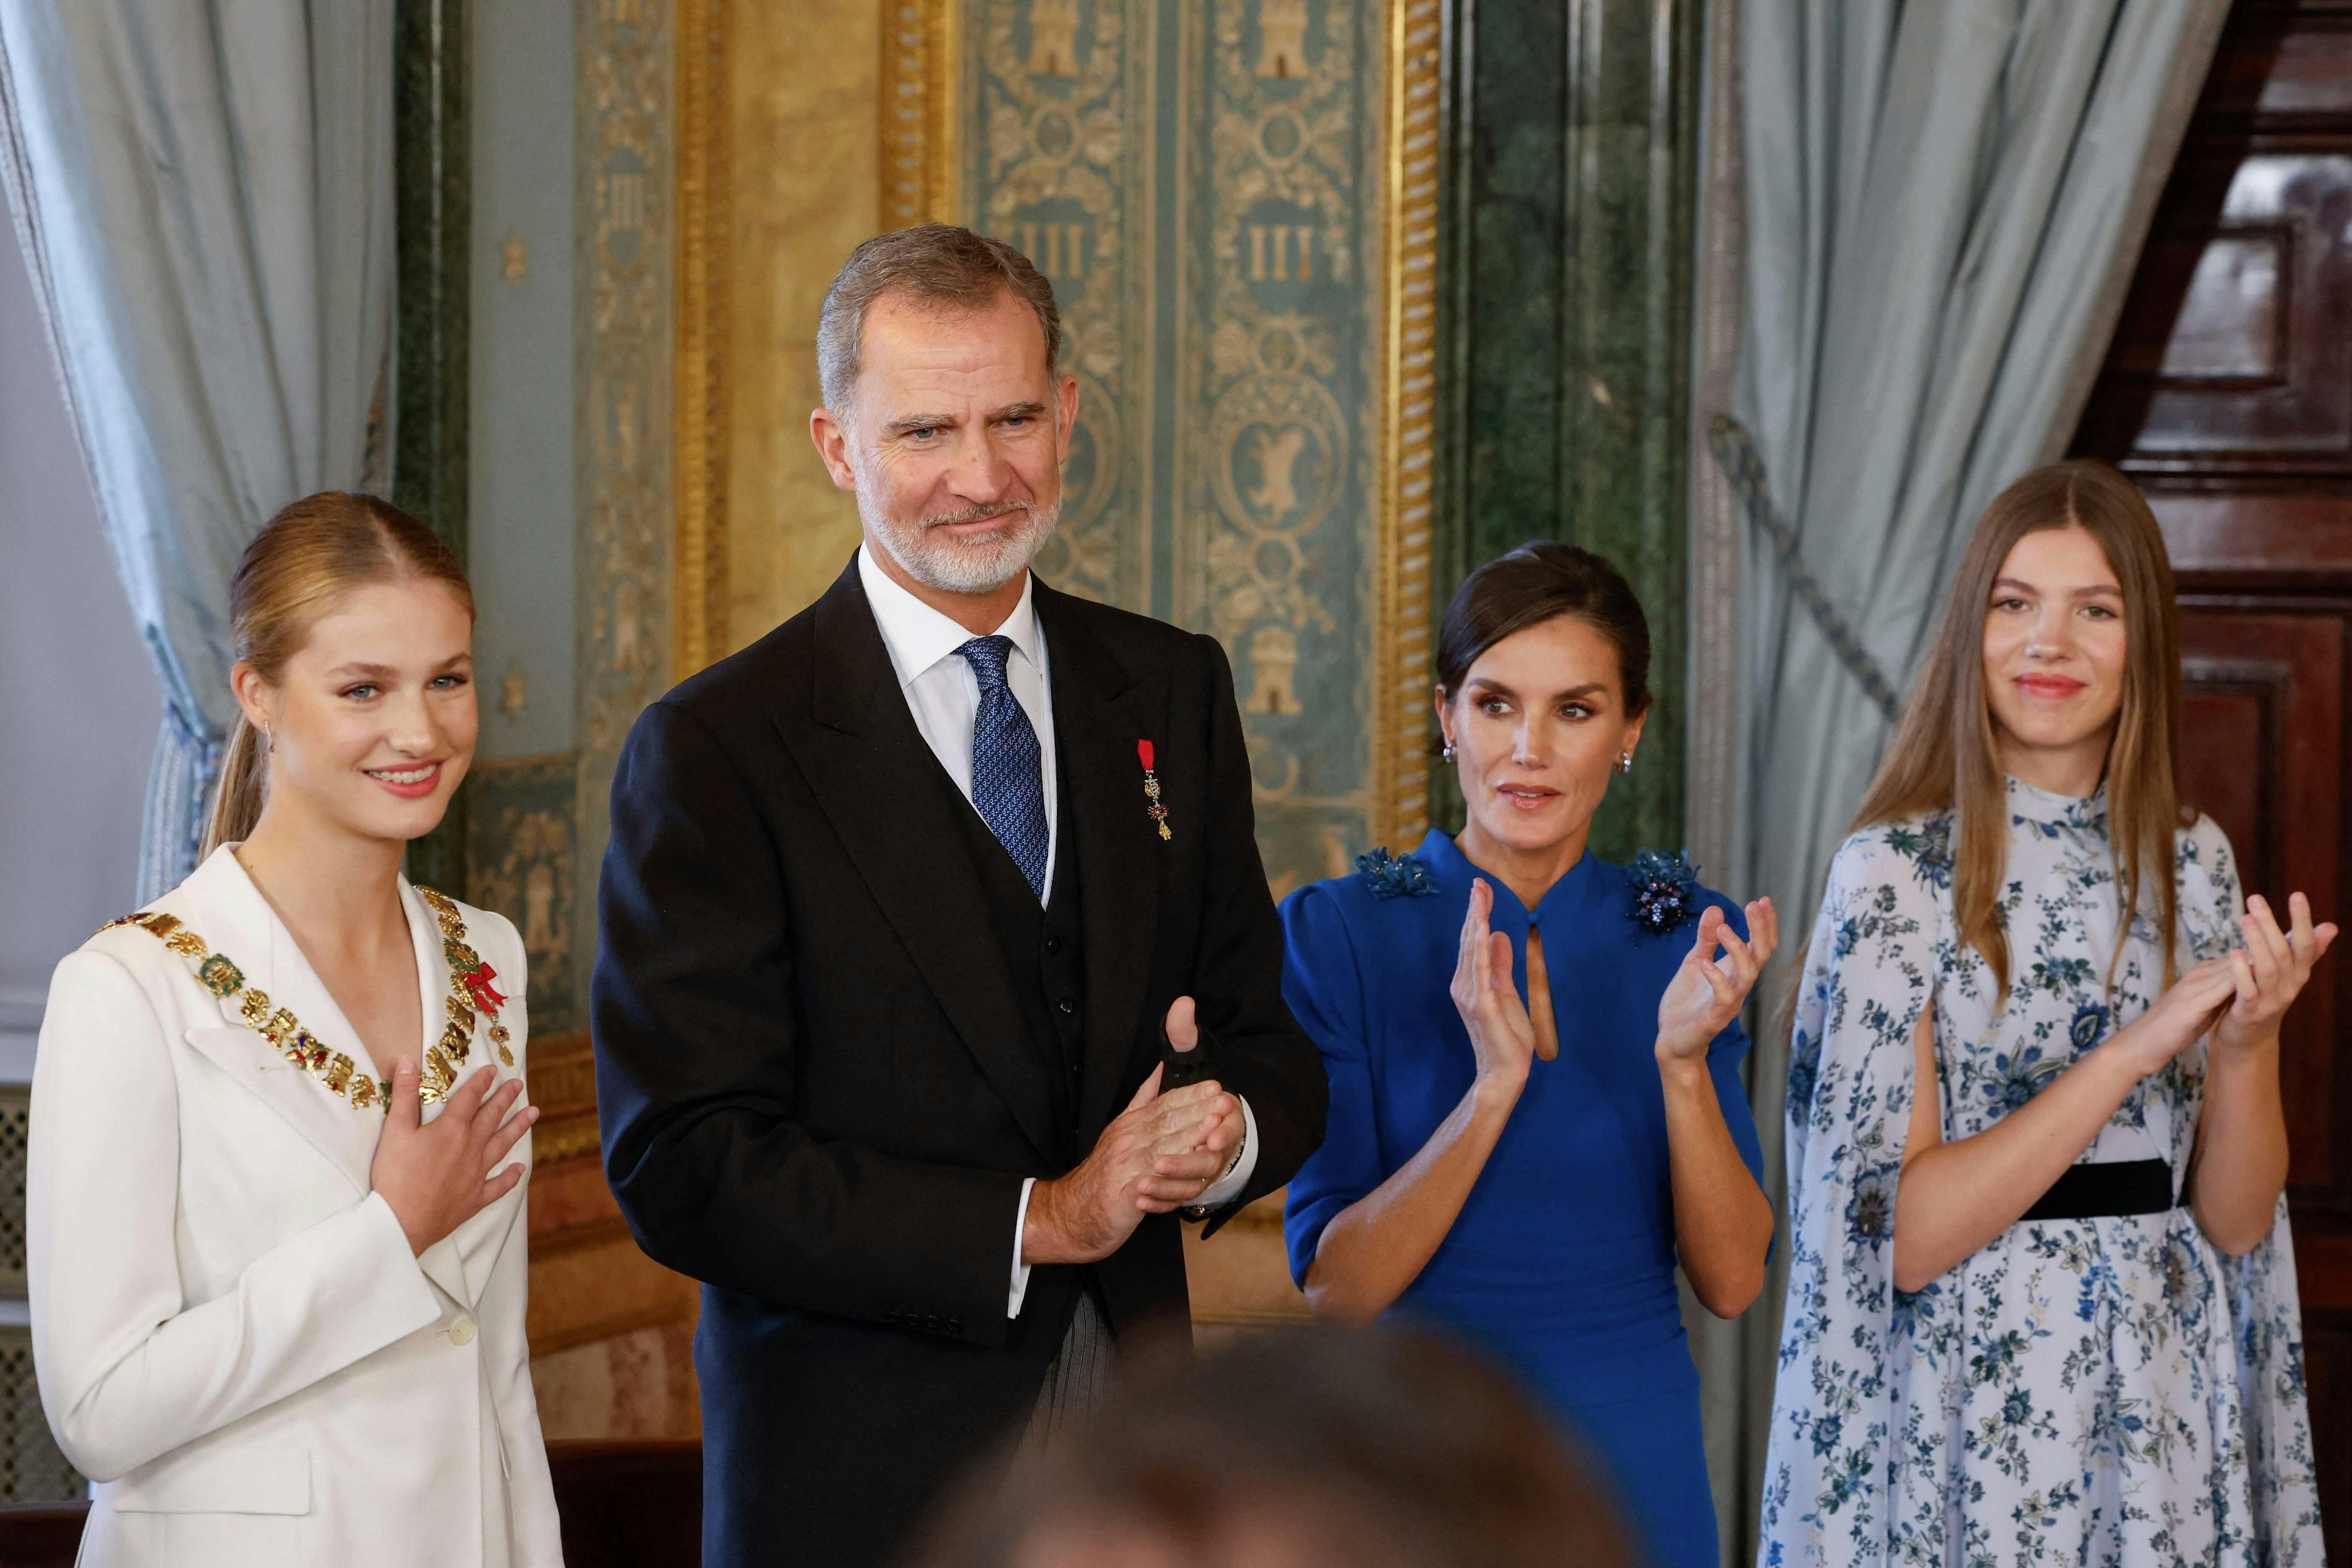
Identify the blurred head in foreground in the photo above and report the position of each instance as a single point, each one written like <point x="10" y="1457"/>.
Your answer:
<point x="1294" y="1450"/>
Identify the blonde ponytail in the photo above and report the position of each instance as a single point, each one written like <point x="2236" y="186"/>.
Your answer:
<point x="310" y="554"/>
<point x="244" y="784"/>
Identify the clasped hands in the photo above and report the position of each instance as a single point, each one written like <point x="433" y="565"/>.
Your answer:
<point x="2240" y="997"/>
<point x="1162" y="1152"/>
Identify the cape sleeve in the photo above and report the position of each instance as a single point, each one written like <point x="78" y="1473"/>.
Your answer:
<point x="2265" y="1309"/>
<point x="1870" y="969"/>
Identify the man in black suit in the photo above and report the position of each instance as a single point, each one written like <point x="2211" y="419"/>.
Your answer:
<point x="900" y="904"/>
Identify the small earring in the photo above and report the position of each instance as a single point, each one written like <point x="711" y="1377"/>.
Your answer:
<point x="1624" y="762"/>
<point x="269" y="740"/>
<point x="1451" y="750"/>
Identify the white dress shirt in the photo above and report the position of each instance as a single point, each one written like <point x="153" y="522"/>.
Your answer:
<point x="943" y="694"/>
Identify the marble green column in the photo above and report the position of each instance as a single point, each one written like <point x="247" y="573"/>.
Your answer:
<point x="1574" y="140"/>
<point x="431" y="52"/>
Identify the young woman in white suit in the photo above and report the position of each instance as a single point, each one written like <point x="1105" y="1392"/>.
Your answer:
<point x="276" y="1194"/>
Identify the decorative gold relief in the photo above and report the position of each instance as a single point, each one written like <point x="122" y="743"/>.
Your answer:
<point x="700" y="402"/>
<point x="1401" y="678"/>
<point x="920" y="40"/>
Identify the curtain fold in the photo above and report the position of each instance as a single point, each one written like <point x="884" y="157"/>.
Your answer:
<point x="1944" y="202"/>
<point x="203" y="193"/>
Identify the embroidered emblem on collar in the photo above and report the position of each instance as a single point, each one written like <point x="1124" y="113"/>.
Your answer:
<point x="1665" y="889"/>
<point x="1396" y="876"/>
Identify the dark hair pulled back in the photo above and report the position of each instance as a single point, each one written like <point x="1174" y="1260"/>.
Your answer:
<point x="1534" y="583"/>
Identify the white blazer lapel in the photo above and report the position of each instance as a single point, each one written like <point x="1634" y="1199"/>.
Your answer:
<point x="236" y="921"/>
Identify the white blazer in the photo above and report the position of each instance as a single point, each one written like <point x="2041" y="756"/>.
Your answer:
<point x="233" y="1339"/>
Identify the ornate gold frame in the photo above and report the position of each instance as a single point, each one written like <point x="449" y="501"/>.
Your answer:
<point x="920" y="39"/>
<point x="698" y="403"/>
<point x="1413" y="156"/>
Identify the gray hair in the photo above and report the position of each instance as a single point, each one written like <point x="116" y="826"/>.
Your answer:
<point x="939" y="264"/>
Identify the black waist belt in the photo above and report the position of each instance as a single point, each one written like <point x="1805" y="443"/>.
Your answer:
<point x="2098" y="1191"/>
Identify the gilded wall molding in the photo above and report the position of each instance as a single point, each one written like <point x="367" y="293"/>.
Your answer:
<point x="1413" y="156"/>
<point x="921" y="59"/>
<point x="699" y="629"/>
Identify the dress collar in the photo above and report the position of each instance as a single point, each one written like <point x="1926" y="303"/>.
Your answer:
<point x="2047" y="809"/>
<point x="1454" y="873"/>
<point x="917" y="637"/>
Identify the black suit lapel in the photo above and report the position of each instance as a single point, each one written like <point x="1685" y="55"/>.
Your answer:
<point x="1100" y="711"/>
<point x="897" y="814"/>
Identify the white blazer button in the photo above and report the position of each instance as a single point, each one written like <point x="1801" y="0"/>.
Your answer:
<point x="461" y="1332"/>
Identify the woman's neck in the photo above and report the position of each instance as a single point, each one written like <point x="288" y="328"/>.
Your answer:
<point x="2073" y="770"/>
<point x="1527" y="873"/>
<point x="337" y="891"/>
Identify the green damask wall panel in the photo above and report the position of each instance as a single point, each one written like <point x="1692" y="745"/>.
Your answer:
<point x="1200" y="181"/>
<point x="1575" y="158"/>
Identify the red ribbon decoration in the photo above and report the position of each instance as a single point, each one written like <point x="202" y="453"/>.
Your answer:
<point x="1143" y="753"/>
<point x="478" y="980"/>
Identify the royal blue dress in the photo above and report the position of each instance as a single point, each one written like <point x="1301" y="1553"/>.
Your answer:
<point x="1562" y="1263"/>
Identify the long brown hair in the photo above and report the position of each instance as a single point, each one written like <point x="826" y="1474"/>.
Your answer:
<point x="310" y="554"/>
<point x="1943" y="756"/>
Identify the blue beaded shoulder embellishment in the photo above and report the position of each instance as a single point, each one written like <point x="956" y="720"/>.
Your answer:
<point x="1396" y="876"/>
<point x="1665" y="889"/>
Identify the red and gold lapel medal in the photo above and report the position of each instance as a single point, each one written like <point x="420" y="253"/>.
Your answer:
<point x="1157" y="811"/>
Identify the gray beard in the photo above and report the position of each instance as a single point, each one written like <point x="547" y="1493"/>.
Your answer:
<point x="950" y="566"/>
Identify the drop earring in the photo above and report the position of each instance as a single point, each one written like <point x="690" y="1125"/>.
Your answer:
<point x="1450" y="751"/>
<point x="1624" y="762"/>
<point x="269" y="740"/>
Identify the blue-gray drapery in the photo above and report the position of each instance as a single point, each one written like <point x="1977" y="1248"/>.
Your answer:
<point x="203" y="189"/>
<point x="1943" y="203"/>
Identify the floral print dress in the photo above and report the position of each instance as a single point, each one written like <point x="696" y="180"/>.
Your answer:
<point x="2109" y="1391"/>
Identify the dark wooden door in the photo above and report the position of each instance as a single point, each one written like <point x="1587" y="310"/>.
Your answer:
<point x="2228" y="396"/>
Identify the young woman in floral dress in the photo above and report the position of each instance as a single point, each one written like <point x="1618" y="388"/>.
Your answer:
<point x="2041" y="1303"/>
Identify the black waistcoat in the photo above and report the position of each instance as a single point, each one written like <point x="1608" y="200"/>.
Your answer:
<point x="1043" y="953"/>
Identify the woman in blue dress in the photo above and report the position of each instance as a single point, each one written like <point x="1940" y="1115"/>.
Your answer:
<point x="1534" y="1055"/>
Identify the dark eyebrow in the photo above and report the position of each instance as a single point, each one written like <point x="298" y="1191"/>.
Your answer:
<point x="2112" y="589"/>
<point x="906" y="422"/>
<point x="1019" y="411"/>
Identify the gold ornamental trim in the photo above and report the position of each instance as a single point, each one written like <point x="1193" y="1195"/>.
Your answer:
<point x="1413" y="157"/>
<point x="700" y="318"/>
<point x="921" y="41"/>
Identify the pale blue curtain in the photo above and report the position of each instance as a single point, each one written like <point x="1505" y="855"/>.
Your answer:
<point x="1943" y="203"/>
<point x="203" y="189"/>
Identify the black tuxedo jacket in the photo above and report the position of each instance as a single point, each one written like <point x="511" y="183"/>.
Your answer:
<point x="820" y="1092"/>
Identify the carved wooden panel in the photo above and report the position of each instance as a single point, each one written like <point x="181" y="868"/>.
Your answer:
<point x="2264" y="744"/>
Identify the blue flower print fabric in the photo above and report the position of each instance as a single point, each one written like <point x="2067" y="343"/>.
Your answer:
<point x="2109" y="1392"/>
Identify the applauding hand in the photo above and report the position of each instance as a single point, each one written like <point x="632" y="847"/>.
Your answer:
<point x="1502" y="1036"/>
<point x="1707" y="992"/>
<point x="2269" y="971"/>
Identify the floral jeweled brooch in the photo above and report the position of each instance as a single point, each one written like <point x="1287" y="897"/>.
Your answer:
<point x="1157" y="811"/>
<point x="1665" y="889"/>
<point x="1395" y="876"/>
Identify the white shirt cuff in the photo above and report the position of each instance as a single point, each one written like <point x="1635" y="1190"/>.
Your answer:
<point x="1225" y="1189"/>
<point x="1020" y="1270"/>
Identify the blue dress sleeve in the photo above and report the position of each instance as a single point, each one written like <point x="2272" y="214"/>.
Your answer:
<point x="1324" y="986"/>
<point x="1723" y="1056"/>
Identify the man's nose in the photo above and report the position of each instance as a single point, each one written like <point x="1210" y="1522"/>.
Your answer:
<point x="981" y="473"/>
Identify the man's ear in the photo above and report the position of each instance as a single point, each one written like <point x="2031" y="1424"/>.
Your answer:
<point x="832" y="438"/>
<point x="1066" y="412"/>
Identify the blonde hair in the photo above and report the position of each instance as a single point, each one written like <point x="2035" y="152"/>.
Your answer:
<point x="310" y="554"/>
<point x="1943" y="756"/>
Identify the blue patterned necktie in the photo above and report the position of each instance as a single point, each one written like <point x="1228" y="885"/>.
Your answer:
<point x="1008" y="788"/>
